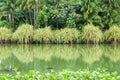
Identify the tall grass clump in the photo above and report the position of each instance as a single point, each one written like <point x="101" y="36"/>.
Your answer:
<point x="66" y="35"/>
<point x="23" y="34"/>
<point x="112" y="35"/>
<point x="5" y="34"/>
<point x="91" y="34"/>
<point x="43" y="35"/>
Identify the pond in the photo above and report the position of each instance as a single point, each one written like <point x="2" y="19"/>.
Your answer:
<point x="45" y="58"/>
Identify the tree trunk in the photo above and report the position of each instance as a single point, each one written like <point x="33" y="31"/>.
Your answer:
<point x="12" y="20"/>
<point x="9" y="19"/>
<point x="113" y="42"/>
<point x="30" y="18"/>
<point x="35" y="12"/>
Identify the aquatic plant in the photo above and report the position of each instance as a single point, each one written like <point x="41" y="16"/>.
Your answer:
<point x="63" y="75"/>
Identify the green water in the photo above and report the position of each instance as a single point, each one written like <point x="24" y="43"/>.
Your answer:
<point x="45" y="58"/>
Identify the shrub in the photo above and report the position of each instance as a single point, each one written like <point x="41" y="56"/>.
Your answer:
<point x="5" y="34"/>
<point x="66" y="35"/>
<point x="4" y="23"/>
<point x="91" y="34"/>
<point x="43" y="35"/>
<point x="113" y="34"/>
<point x="23" y="34"/>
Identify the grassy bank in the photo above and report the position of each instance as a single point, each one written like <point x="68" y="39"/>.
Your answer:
<point x="64" y="75"/>
<point x="90" y="34"/>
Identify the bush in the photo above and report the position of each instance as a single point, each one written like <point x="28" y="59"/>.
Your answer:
<point x="43" y="35"/>
<point x="113" y="34"/>
<point x="23" y="34"/>
<point x="4" y="23"/>
<point x="66" y="35"/>
<point x="5" y="34"/>
<point x="91" y="34"/>
<point x="63" y="75"/>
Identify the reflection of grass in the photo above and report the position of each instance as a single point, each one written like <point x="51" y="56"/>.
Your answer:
<point x="46" y="52"/>
<point x="5" y="52"/>
<point x="112" y="52"/>
<point x="91" y="53"/>
<point x="26" y="54"/>
<point x="43" y="52"/>
<point x="23" y="53"/>
<point x="66" y="52"/>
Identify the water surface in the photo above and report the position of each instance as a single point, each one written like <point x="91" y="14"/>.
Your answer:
<point x="45" y="58"/>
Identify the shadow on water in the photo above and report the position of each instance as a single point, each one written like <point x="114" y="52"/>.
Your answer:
<point x="46" y="57"/>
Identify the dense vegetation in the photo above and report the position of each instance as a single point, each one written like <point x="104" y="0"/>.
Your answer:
<point x="59" y="21"/>
<point x="64" y="75"/>
<point x="59" y="13"/>
<point x="90" y="34"/>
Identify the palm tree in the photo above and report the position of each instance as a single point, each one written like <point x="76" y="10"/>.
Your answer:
<point x="8" y="7"/>
<point x="35" y="12"/>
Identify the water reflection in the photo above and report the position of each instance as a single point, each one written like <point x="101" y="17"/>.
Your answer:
<point x="5" y="52"/>
<point x="23" y="53"/>
<point x="91" y="53"/>
<point x="59" y="56"/>
<point x="112" y="52"/>
<point x="43" y="52"/>
<point x="66" y="52"/>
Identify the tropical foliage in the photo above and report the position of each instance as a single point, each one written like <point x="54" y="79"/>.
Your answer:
<point x="90" y="34"/>
<point x="63" y="75"/>
<point x="64" y="18"/>
<point x="60" y="13"/>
